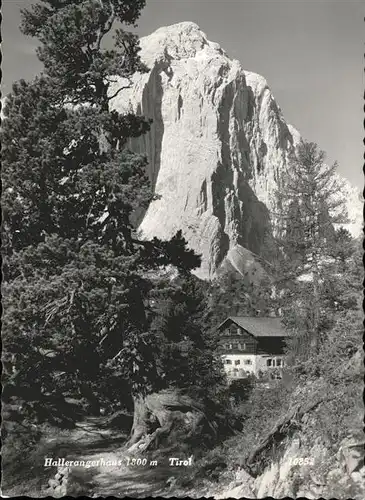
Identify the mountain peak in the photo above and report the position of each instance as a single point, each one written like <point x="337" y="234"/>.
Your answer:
<point x="183" y="27"/>
<point x="217" y="150"/>
<point x="176" y="42"/>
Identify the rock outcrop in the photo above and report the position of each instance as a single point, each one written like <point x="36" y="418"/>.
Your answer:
<point x="314" y="471"/>
<point x="217" y="147"/>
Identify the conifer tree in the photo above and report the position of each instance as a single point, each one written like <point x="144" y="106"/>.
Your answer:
<point x="232" y="295"/>
<point x="76" y="288"/>
<point x="311" y="205"/>
<point x="187" y="345"/>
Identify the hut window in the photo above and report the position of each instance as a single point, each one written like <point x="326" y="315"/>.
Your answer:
<point x="237" y="362"/>
<point x="269" y="362"/>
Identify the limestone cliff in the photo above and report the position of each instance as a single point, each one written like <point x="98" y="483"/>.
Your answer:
<point x="217" y="146"/>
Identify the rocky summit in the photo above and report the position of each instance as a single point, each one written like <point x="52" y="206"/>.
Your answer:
<point x="217" y="148"/>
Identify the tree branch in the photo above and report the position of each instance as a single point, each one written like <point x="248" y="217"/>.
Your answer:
<point x="118" y="91"/>
<point x="108" y="26"/>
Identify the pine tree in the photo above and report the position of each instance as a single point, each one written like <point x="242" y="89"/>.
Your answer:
<point x="311" y="205"/>
<point x="187" y="345"/>
<point x="231" y="295"/>
<point x="76" y="276"/>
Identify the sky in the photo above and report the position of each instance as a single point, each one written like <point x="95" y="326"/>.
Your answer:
<point x="309" y="51"/>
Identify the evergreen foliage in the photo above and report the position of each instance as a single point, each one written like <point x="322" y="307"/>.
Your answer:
<point x="309" y="279"/>
<point x="77" y="278"/>
<point x="231" y="295"/>
<point x="187" y="345"/>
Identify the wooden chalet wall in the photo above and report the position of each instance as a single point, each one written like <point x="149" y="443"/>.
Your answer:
<point x="270" y="345"/>
<point x="253" y="345"/>
<point x="230" y="335"/>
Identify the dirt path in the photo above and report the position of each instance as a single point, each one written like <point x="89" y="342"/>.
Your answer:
<point x="92" y="441"/>
<point x="89" y="442"/>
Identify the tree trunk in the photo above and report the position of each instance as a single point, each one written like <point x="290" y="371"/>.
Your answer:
<point x="168" y="418"/>
<point x="140" y="420"/>
<point x="316" y="306"/>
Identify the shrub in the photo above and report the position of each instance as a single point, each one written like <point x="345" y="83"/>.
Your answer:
<point x="241" y="389"/>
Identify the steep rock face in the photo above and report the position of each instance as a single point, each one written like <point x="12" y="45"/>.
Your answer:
<point x="272" y="141"/>
<point x="355" y="206"/>
<point x="216" y="148"/>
